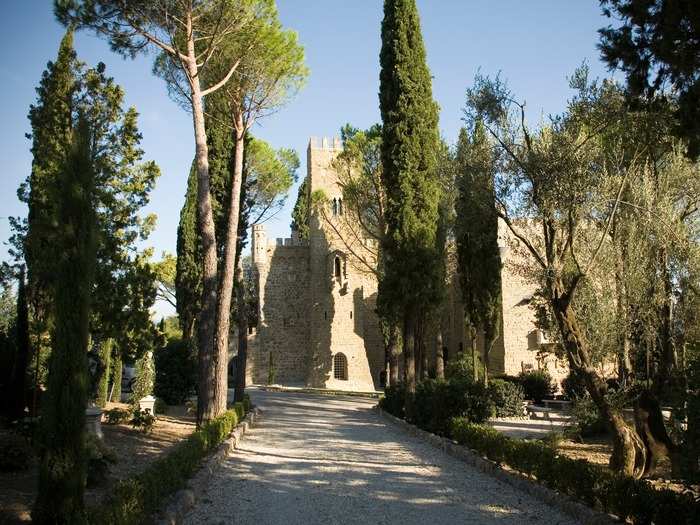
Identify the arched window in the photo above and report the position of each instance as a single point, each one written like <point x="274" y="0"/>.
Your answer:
<point x="340" y="367"/>
<point x="335" y="206"/>
<point x="337" y="268"/>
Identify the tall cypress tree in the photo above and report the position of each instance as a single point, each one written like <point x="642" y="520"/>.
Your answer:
<point x="51" y="122"/>
<point x="410" y="141"/>
<point x="476" y="231"/>
<point x="63" y="465"/>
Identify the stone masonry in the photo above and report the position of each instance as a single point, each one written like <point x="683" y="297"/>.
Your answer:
<point x="317" y="325"/>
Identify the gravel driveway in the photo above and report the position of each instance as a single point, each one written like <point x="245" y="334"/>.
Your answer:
<point x="332" y="460"/>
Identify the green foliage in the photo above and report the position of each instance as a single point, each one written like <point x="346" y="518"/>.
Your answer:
<point x="436" y="402"/>
<point x="476" y="232"/>
<point x="116" y="375"/>
<point x="586" y="418"/>
<point x="410" y="142"/>
<point x="507" y="398"/>
<point x="300" y="213"/>
<point x="144" y="378"/>
<point x="134" y="499"/>
<point x="63" y="469"/>
<point x="394" y="400"/>
<point x="104" y="355"/>
<point x="463" y="367"/>
<point x="656" y="46"/>
<point x="537" y="384"/>
<point x="573" y="386"/>
<point x="176" y="368"/>
<point x="115" y="416"/>
<point x="635" y="500"/>
<point x="143" y="420"/>
<point x="15" y="452"/>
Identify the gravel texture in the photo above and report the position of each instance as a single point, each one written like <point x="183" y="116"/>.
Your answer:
<point x="332" y="460"/>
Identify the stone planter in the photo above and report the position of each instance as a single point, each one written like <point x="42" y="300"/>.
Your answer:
<point x="148" y="403"/>
<point x="93" y="421"/>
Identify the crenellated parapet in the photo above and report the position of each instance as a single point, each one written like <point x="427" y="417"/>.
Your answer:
<point x="326" y="143"/>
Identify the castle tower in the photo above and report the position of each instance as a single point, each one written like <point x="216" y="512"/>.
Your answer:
<point x="346" y="345"/>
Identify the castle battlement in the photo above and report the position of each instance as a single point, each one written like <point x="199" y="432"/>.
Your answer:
<point x="288" y="242"/>
<point x="325" y="143"/>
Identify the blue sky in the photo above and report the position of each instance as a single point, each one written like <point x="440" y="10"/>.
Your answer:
<point x="535" y="45"/>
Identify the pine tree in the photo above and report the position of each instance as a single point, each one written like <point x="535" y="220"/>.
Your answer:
<point x="410" y="143"/>
<point x="476" y="234"/>
<point x="63" y="463"/>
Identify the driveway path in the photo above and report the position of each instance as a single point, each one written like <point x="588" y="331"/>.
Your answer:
<point x="331" y="460"/>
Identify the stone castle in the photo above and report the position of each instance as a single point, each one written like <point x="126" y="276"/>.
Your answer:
<point x="317" y="325"/>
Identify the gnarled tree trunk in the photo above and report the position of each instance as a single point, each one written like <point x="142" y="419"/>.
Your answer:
<point x="242" y="322"/>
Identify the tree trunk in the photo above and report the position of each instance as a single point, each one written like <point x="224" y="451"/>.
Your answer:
<point x="223" y="312"/>
<point x="629" y="454"/>
<point x="439" y="356"/>
<point x="649" y="423"/>
<point x="209" y="401"/>
<point x="393" y="351"/>
<point x="472" y="344"/>
<point x="242" y="312"/>
<point x="409" y="357"/>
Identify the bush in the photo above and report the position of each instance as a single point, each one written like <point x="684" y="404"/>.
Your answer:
<point x="507" y="398"/>
<point x="536" y="384"/>
<point x="633" y="500"/>
<point x="143" y="420"/>
<point x="116" y="415"/>
<point x="15" y="453"/>
<point x="436" y="402"/>
<point x="394" y="400"/>
<point x="573" y="386"/>
<point x="133" y="500"/>
<point x="586" y="418"/>
<point x="160" y="407"/>
<point x="176" y="366"/>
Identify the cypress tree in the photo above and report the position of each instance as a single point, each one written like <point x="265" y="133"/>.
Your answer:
<point x="51" y="123"/>
<point x="300" y="213"/>
<point x="476" y="231"/>
<point x="410" y="142"/>
<point x="116" y="375"/>
<point x="62" y="471"/>
<point x="103" y="371"/>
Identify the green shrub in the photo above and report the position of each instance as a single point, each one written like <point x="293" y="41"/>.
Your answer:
<point x="144" y="378"/>
<point x="436" y="402"/>
<point x="160" y="407"/>
<point x="175" y="376"/>
<point x="247" y="404"/>
<point x="15" y="452"/>
<point x="633" y="500"/>
<point x="394" y="400"/>
<point x="537" y="384"/>
<point x="586" y="418"/>
<point x="573" y="387"/>
<point x="133" y="500"/>
<point x="143" y="420"/>
<point x="507" y="398"/>
<point x="116" y="415"/>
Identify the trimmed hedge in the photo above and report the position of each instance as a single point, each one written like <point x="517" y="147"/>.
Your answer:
<point x="596" y="486"/>
<point x="507" y="398"/>
<point x="134" y="500"/>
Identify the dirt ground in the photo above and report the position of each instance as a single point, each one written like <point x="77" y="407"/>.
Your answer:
<point x="134" y="449"/>
<point x="598" y="449"/>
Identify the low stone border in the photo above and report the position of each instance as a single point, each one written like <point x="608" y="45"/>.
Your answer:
<point x="185" y="499"/>
<point x="320" y="391"/>
<point x="564" y="503"/>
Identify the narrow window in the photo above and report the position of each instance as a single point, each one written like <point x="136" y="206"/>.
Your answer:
<point x="350" y="314"/>
<point x="325" y="316"/>
<point x="340" y="206"/>
<point x="335" y="206"/>
<point x="340" y="367"/>
<point x="337" y="268"/>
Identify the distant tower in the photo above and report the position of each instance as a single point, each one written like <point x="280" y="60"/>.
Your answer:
<point x="259" y="245"/>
